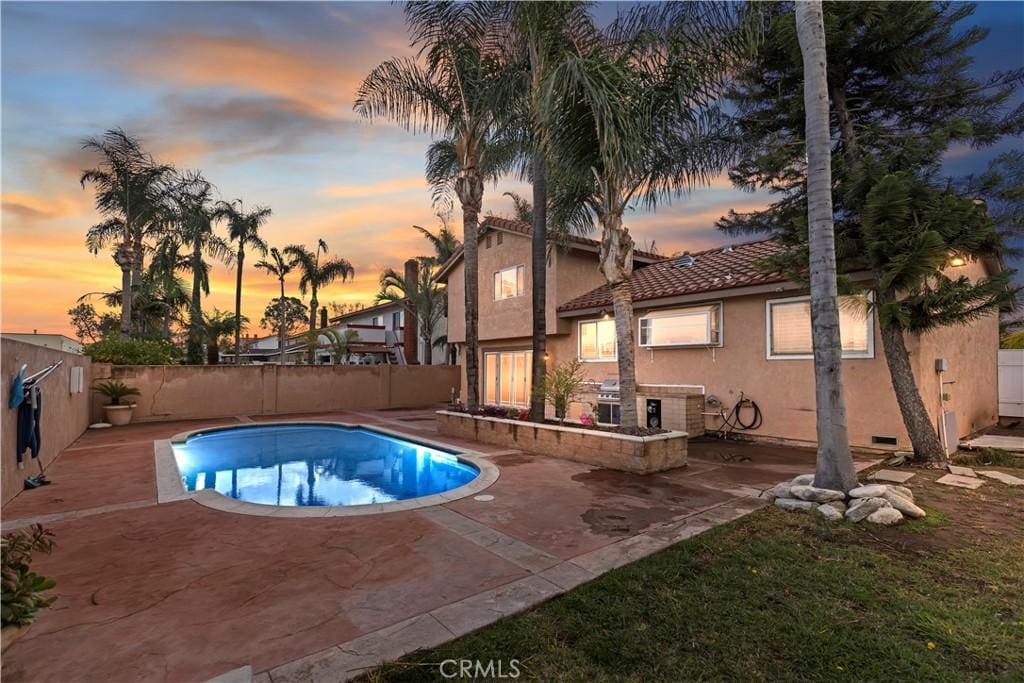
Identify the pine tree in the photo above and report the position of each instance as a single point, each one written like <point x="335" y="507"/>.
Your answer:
<point x="900" y="97"/>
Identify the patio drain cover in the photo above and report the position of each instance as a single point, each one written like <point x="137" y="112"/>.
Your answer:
<point x="484" y="498"/>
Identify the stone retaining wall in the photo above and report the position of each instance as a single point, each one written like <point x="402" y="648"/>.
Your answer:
<point x="640" y="454"/>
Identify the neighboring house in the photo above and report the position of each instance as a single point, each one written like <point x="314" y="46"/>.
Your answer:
<point x="712" y="327"/>
<point x="381" y="331"/>
<point x="50" y="341"/>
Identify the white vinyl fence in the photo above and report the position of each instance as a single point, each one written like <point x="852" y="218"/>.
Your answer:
<point x="1011" y="382"/>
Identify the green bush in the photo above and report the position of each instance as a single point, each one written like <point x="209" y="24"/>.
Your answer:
<point x="120" y="350"/>
<point x="22" y="588"/>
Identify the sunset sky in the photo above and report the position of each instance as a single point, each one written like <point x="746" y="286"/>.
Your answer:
<point x="259" y="97"/>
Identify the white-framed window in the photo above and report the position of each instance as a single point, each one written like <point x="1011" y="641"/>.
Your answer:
<point x="507" y="378"/>
<point x="509" y="282"/>
<point x="788" y="327"/>
<point x="597" y="340"/>
<point x="377" y="321"/>
<point x="690" y="326"/>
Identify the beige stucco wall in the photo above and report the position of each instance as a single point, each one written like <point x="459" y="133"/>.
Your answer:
<point x="570" y="273"/>
<point x="175" y="392"/>
<point x="65" y="415"/>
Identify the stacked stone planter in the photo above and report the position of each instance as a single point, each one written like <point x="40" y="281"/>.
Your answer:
<point x="884" y="504"/>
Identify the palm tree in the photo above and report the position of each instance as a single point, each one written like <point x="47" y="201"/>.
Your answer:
<point x="456" y="93"/>
<point x="315" y="274"/>
<point x="279" y="266"/>
<point x="632" y="116"/>
<point x="423" y="297"/>
<point x="340" y="343"/>
<point x="834" y="468"/>
<point x="196" y="234"/>
<point x="444" y="242"/>
<point x="130" y="192"/>
<point x="543" y="32"/>
<point x="243" y="228"/>
<point x="217" y="326"/>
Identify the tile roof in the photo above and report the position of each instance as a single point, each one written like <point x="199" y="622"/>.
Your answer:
<point x="710" y="271"/>
<point x="508" y="225"/>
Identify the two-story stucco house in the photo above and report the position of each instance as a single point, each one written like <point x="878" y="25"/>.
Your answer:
<point x="712" y="328"/>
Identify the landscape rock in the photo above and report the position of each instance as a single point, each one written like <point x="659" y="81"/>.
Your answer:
<point x="782" y="490"/>
<point x="813" y="493"/>
<point x="803" y="480"/>
<point x="885" y="516"/>
<point x="829" y="513"/>
<point x="793" y="505"/>
<point x="1002" y="476"/>
<point x="860" y="508"/>
<point x="903" y="491"/>
<point x="869" y="491"/>
<point x="903" y="504"/>
<point x="840" y="506"/>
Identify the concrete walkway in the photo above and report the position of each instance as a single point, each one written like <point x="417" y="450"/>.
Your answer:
<point x="182" y="592"/>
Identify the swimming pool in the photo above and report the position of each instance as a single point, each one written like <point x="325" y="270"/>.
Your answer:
<point x="308" y="465"/>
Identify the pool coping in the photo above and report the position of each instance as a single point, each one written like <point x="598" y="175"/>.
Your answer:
<point x="170" y="488"/>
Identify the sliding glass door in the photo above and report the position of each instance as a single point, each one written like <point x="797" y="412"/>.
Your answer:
<point x="507" y="378"/>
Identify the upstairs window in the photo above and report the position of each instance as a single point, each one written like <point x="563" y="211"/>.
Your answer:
<point x="597" y="340"/>
<point x="691" y="326"/>
<point x="789" y="328"/>
<point x="509" y="282"/>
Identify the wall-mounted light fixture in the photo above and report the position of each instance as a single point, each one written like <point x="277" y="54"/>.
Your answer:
<point x="605" y="315"/>
<point x="957" y="261"/>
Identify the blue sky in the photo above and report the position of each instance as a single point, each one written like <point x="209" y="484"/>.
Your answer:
<point x="259" y="96"/>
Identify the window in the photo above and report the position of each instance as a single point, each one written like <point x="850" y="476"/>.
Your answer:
<point x="507" y="378"/>
<point x="597" y="340"/>
<point x="397" y="320"/>
<point x="789" y="328"/>
<point x="377" y="321"/>
<point x="692" y="326"/>
<point x="509" y="282"/>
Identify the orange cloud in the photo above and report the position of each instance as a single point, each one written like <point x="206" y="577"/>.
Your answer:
<point x="30" y="206"/>
<point x="384" y="187"/>
<point x="317" y="80"/>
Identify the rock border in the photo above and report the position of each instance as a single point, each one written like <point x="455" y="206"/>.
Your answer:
<point x="882" y="504"/>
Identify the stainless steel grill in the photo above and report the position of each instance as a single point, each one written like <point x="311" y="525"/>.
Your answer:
<point x="608" y="391"/>
<point x="608" y="402"/>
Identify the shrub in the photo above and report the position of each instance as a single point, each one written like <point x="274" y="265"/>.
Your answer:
<point x="562" y="386"/>
<point x="120" y="350"/>
<point x="22" y="589"/>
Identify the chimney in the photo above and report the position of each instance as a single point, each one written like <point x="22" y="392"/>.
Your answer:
<point x="323" y="316"/>
<point x="409" y="338"/>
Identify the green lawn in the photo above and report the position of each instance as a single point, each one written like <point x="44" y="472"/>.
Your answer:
<point x="780" y="596"/>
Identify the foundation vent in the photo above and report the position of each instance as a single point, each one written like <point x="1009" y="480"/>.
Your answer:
<point x="884" y="440"/>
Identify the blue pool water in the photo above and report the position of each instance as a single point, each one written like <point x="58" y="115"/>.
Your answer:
<point x="303" y="465"/>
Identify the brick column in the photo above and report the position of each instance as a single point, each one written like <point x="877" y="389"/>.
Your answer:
<point x="410" y="336"/>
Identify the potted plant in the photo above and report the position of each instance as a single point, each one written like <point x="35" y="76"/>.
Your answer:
<point x="22" y="595"/>
<point x="117" y="413"/>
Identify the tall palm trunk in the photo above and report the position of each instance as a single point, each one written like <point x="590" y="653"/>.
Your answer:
<point x="280" y="324"/>
<point x="314" y="303"/>
<point x="915" y="416"/>
<point x="470" y="188"/>
<point x="195" y="313"/>
<point x="238" y="303"/>
<point x="123" y="258"/>
<point x="834" y="463"/>
<point x="538" y="265"/>
<point x="428" y="351"/>
<point x="616" y="263"/>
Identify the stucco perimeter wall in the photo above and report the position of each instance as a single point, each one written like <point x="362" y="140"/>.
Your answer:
<point x="174" y="392"/>
<point x="602" y="449"/>
<point x="65" y="415"/>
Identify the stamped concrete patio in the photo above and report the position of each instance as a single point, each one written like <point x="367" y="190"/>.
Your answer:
<point x="182" y="592"/>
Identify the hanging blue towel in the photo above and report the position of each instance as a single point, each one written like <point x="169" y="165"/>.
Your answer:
<point x="17" y="390"/>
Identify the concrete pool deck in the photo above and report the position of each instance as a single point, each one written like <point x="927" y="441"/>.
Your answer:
<point x="179" y="591"/>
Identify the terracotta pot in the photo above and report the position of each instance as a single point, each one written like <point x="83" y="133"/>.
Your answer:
<point x="118" y="415"/>
<point x="10" y="634"/>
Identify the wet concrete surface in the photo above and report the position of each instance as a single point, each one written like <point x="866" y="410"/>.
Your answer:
<point x="181" y="592"/>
